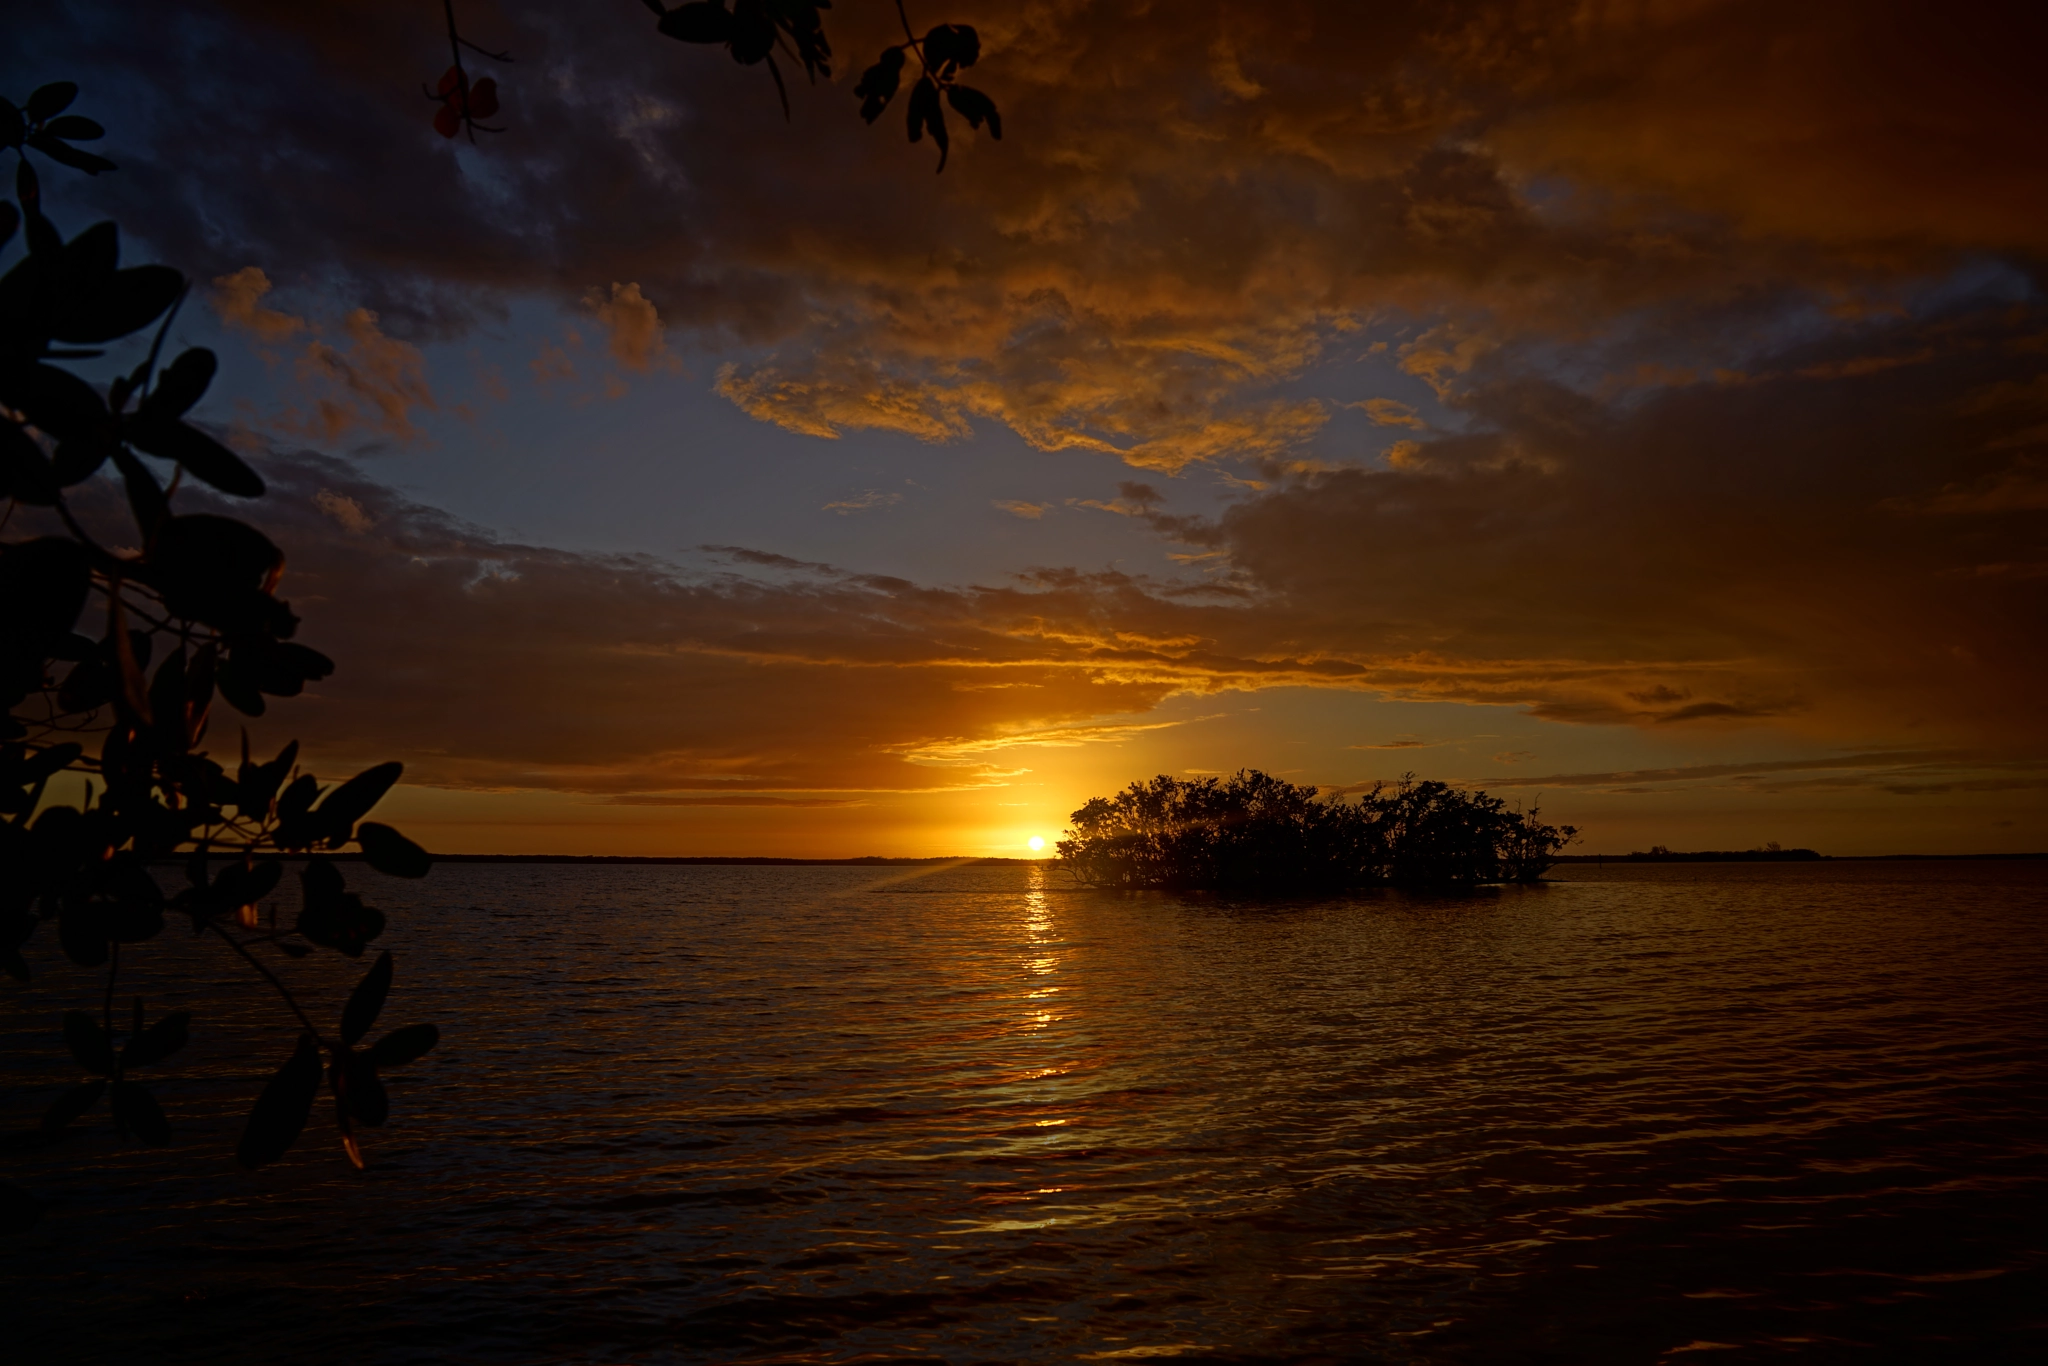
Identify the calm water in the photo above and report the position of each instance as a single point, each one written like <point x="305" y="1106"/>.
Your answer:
<point x="842" y="1115"/>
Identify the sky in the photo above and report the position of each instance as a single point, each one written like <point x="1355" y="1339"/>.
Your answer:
<point x="1638" y="410"/>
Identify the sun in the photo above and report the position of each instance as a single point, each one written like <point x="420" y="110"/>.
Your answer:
<point x="1036" y="842"/>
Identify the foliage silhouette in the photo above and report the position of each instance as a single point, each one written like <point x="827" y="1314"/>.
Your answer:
<point x="198" y="595"/>
<point x="751" y="31"/>
<point x="1256" y="833"/>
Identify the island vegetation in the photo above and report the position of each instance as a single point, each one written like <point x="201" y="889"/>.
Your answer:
<point x="1256" y="833"/>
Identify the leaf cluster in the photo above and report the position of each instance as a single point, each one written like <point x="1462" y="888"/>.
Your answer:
<point x="1256" y="833"/>
<point x="942" y="54"/>
<point x="114" y="656"/>
<point x="753" y="31"/>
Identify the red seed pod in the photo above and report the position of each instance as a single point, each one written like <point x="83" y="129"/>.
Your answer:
<point x="483" y="98"/>
<point x="451" y="81"/>
<point x="448" y="120"/>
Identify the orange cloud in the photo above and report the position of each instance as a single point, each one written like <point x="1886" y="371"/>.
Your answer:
<point x="238" y="298"/>
<point x="632" y="328"/>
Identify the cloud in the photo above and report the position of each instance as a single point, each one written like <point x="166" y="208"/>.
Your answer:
<point x="633" y="329"/>
<point x="862" y="502"/>
<point x="1148" y="271"/>
<point x="238" y="299"/>
<point x="369" y="382"/>
<point x="554" y="364"/>
<point x="1898" y="772"/>
<point x="1030" y="512"/>
<point x="1705" y="556"/>
<point x="484" y="663"/>
<point x="1387" y="412"/>
<point x="347" y="513"/>
<point x="726" y="799"/>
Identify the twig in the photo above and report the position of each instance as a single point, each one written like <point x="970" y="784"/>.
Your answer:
<point x="163" y="330"/>
<point x="113" y="967"/>
<point x="913" y="44"/>
<point x="268" y="976"/>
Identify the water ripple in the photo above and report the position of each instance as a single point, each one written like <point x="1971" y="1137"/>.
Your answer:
<point x="777" y="1115"/>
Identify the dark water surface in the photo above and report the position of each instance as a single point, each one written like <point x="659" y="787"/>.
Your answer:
<point x="688" y="1114"/>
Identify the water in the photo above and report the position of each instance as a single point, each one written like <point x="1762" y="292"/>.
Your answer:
<point x="688" y="1114"/>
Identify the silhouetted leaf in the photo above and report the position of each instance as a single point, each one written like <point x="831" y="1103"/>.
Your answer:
<point x="44" y="762"/>
<point x="320" y="877"/>
<point x="925" y="113"/>
<point x="130" y="301"/>
<point x="701" y="22"/>
<point x="753" y="32"/>
<point x="217" y="570"/>
<point x="43" y="584"/>
<point x="391" y="853"/>
<point x="368" y="1102"/>
<point x="976" y="108"/>
<point x="292" y="807"/>
<point x="10" y="220"/>
<point x="25" y="471"/>
<point x="81" y="936"/>
<point x="282" y="667"/>
<point x="197" y="452"/>
<point x="951" y="45"/>
<point x="55" y="400"/>
<point x="90" y="259"/>
<point x="366" y="1001"/>
<point x="878" y="84"/>
<point x="28" y="189"/>
<point x="159" y="1041"/>
<point x="241" y="693"/>
<point x="258" y="783"/>
<point x="401" y="1046"/>
<point x="75" y="128"/>
<point x="146" y="501"/>
<point x="280" y="1113"/>
<point x="13" y="128"/>
<point x="65" y="154"/>
<point x="78" y="459"/>
<point x="242" y="885"/>
<point x="136" y="1110"/>
<point x="332" y="916"/>
<point x="352" y="801"/>
<point x="50" y="100"/>
<point x="181" y="383"/>
<point x="88" y="1042"/>
<point x="65" y="1109"/>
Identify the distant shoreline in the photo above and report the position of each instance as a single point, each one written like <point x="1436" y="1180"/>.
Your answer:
<point x="1787" y="856"/>
<point x="869" y="861"/>
<point x="873" y="861"/>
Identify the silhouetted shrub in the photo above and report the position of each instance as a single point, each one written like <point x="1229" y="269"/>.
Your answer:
<point x="195" y="594"/>
<point x="1256" y="833"/>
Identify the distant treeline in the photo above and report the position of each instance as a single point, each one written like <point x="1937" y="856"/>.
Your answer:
<point x="1657" y="853"/>
<point x="1258" y="833"/>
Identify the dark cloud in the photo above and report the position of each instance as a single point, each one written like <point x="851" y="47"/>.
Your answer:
<point x="1194" y="206"/>
<point x="1760" y="546"/>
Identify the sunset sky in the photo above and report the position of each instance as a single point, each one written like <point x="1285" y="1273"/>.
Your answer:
<point x="1642" y="408"/>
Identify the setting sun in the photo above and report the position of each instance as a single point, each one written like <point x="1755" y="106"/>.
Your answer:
<point x="1036" y="842"/>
